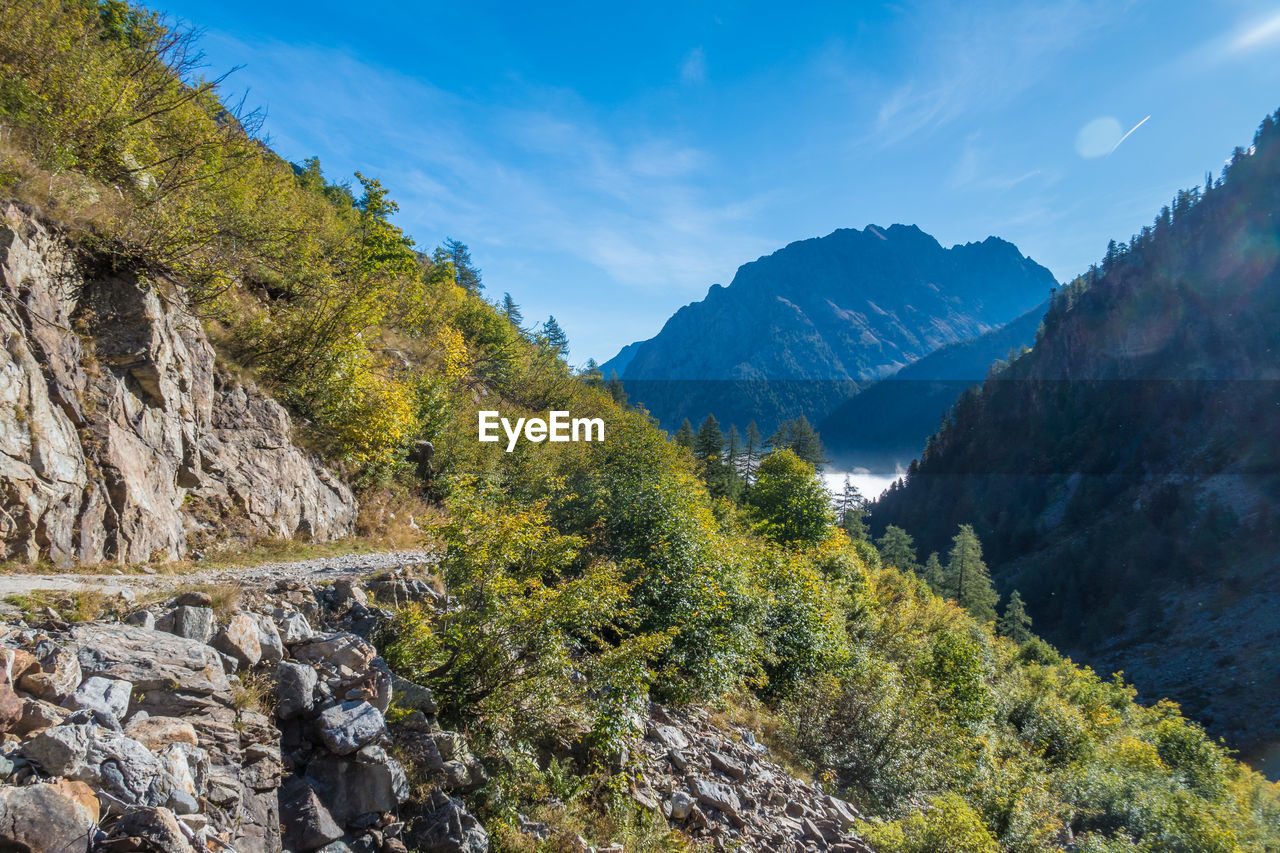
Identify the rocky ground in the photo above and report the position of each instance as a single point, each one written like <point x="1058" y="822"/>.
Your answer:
<point x="259" y="725"/>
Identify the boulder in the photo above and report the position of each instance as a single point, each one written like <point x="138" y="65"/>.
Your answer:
<point x="715" y="795"/>
<point x="681" y="804"/>
<point x="123" y="771"/>
<point x="413" y="697"/>
<point x="726" y="765"/>
<point x="269" y="640"/>
<point x="293" y="626"/>
<point x="157" y="830"/>
<point x="194" y="622"/>
<point x="58" y="676"/>
<point x="38" y="715"/>
<point x="58" y="816"/>
<point x="174" y="675"/>
<point x="668" y="736"/>
<point x="155" y="733"/>
<point x="370" y="781"/>
<point x="239" y="640"/>
<point x="336" y="650"/>
<point x="109" y="695"/>
<point x="141" y="619"/>
<point x="308" y="825"/>
<point x="447" y="827"/>
<point x="347" y="726"/>
<point x="295" y="689"/>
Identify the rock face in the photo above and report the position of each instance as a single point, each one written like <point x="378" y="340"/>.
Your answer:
<point x="119" y="438"/>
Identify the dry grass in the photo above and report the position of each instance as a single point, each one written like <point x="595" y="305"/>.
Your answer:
<point x="746" y="711"/>
<point x="80" y="606"/>
<point x="254" y="692"/>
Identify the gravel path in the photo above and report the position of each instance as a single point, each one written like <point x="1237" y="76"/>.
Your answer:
<point x="324" y="568"/>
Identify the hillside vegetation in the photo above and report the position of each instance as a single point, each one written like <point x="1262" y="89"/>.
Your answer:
<point x="591" y="576"/>
<point x="1122" y="473"/>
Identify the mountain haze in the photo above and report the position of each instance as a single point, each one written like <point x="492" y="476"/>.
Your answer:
<point x="799" y="330"/>
<point x="884" y="426"/>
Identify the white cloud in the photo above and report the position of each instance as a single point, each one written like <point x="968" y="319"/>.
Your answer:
<point x="693" y="69"/>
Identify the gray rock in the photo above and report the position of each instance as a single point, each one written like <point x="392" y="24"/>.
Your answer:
<point x="412" y="696"/>
<point x="239" y="639"/>
<point x="347" y="726"/>
<point x="269" y="640"/>
<point x="142" y="619"/>
<point x="337" y="650"/>
<point x="295" y="689"/>
<point x="293" y="627"/>
<point x="123" y="771"/>
<point x="100" y="466"/>
<point x="448" y="828"/>
<point x="308" y="825"/>
<point x="109" y="695"/>
<point x="726" y="765"/>
<point x="58" y="816"/>
<point x="681" y="805"/>
<point x="58" y="676"/>
<point x="668" y="736"/>
<point x="194" y="622"/>
<point x="367" y="782"/>
<point x="174" y="675"/>
<point x="157" y="828"/>
<point x="715" y="795"/>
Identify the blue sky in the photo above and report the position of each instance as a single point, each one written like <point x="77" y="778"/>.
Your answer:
<point x="606" y="165"/>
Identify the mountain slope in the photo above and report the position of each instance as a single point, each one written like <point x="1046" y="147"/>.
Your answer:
<point x="798" y="330"/>
<point x="1123" y="475"/>
<point x="885" y="425"/>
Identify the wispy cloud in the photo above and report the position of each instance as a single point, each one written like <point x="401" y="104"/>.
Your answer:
<point x="974" y="58"/>
<point x="693" y="69"/>
<point x="1246" y="38"/>
<point x="534" y="185"/>
<point x="974" y="170"/>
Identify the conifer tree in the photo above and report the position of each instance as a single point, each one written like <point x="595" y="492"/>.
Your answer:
<point x="967" y="579"/>
<point x="464" y="274"/>
<point x="1016" y="623"/>
<point x="751" y="452"/>
<point x="616" y="389"/>
<point x="853" y="511"/>
<point x="684" y="435"/>
<point x="553" y="337"/>
<point x="799" y="437"/>
<point x="934" y="573"/>
<point x="709" y="443"/>
<point x="511" y="310"/>
<point x="898" y="549"/>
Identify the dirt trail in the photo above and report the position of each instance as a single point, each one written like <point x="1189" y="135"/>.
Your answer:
<point x="320" y="569"/>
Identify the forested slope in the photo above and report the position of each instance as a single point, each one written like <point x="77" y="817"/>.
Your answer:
<point x="1123" y="474"/>
<point x="583" y="579"/>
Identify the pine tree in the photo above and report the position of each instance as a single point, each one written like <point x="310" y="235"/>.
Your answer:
<point x="853" y="511"/>
<point x="591" y="374"/>
<point x="511" y="310"/>
<point x="553" y="337"/>
<point x="934" y="574"/>
<point x="967" y="578"/>
<point x="616" y="389"/>
<point x="898" y="549"/>
<point x="684" y="435"/>
<point x="464" y="274"/>
<point x="800" y="438"/>
<point x="751" y="452"/>
<point x="709" y="442"/>
<point x="1015" y="623"/>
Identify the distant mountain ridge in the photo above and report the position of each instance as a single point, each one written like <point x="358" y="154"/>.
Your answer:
<point x="885" y="425"/>
<point x="799" y="330"/>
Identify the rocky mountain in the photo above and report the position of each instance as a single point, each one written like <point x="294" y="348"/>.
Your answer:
<point x="120" y="438"/>
<point x="798" y="331"/>
<point x="1123" y="475"/>
<point x="268" y="722"/>
<point x="885" y="425"/>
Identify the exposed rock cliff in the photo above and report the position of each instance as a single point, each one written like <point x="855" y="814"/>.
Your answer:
<point x="119" y="438"/>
